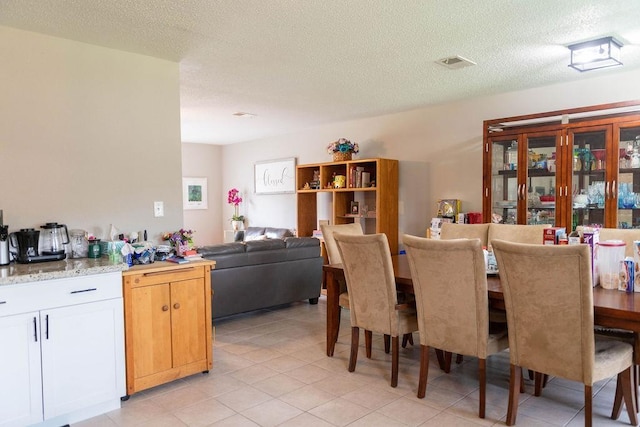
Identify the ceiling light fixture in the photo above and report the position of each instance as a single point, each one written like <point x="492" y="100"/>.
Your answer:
<point x="241" y="114"/>
<point x="594" y="54"/>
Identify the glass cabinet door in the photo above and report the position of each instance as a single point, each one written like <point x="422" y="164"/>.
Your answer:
<point x="543" y="167"/>
<point x="505" y="187"/>
<point x="590" y="183"/>
<point x="628" y="179"/>
<point x="523" y="183"/>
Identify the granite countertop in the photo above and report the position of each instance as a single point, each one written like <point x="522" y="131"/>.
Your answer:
<point x="21" y="273"/>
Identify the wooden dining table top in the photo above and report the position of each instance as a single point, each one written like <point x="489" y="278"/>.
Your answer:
<point x="612" y="308"/>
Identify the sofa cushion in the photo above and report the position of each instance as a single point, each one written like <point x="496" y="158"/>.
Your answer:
<point x="277" y="233"/>
<point x="264" y="245"/>
<point x="253" y="233"/>
<point x="223" y="249"/>
<point x="302" y="247"/>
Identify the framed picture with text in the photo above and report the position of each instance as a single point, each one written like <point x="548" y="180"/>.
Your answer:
<point x="275" y="176"/>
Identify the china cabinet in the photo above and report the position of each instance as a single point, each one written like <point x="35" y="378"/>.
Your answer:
<point x="566" y="168"/>
<point x="167" y="322"/>
<point x="63" y="350"/>
<point x="357" y="190"/>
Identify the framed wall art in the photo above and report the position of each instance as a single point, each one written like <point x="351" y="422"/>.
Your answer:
<point x="194" y="193"/>
<point x="275" y="176"/>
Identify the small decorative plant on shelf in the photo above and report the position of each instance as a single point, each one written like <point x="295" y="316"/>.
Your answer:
<point x="181" y="240"/>
<point x="343" y="149"/>
<point x="233" y="198"/>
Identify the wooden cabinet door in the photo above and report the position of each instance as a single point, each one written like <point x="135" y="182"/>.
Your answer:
<point x="150" y="326"/>
<point x="20" y="374"/>
<point x="188" y="321"/>
<point x="82" y="356"/>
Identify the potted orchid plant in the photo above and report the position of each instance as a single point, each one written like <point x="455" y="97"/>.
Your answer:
<point x="233" y="198"/>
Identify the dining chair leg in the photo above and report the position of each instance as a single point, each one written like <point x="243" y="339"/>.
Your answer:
<point x="367" y="343"/>
<point x="482" y="374"/>
<point x="424" y="371"/>
<point x="355" y="339"/>
<point x="617" y="400"/>
<point x="338" y="325"/>
<point x="395" y="359"/>
<point x="538" y="384"/>
<point x="625" y="391"/>
<point x="447" y="361"/>
<point x="521" y="381"/>
<point x="440" y="356"/>
<point x="588" y="406"/>
<point x="387" y="343"/>
<point x="407" y="338"/>
<point x="459" y="359"/>
<point x="630" y="397"/>
<point x="515" y="379"/>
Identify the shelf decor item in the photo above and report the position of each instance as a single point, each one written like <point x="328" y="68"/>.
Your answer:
<point x="343" y="149"/>
<point x="233" y="198"/>
<point x="181" y="240"/>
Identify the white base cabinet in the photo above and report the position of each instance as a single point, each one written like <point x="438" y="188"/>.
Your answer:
<point x="62" y="357"/>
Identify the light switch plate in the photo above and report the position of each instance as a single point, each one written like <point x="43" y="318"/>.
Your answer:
<point x="158" y="209"/>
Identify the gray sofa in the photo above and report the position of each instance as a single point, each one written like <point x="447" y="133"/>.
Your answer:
<point x="263" y="273"/>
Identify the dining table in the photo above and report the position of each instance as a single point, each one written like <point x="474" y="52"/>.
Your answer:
<point x="612" y="308"/>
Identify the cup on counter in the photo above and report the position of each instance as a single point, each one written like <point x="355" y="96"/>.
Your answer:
<point x="95" y="249"/>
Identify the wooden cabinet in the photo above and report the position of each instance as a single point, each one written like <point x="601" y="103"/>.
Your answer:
<point x="566" y="168"/>
<point x="369" y="195"/>
<point x="167" y="322"/>
<point x="63" y="350"/>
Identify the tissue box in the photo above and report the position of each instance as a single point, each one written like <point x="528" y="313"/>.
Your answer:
<point x="551" y="235"/>
<point x="105" y="246"/>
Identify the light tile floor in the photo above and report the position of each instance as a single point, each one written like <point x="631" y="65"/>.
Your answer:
<point x="270" y="369"/>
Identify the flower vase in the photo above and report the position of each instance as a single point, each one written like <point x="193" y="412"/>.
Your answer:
<point x="237" y="225"/>
<point x="181" y="248"/>
<point x="340" y="156"/>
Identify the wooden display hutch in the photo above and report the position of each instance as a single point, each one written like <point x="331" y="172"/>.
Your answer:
<point x="377" y="199"/>
<point x="567" y="168"/>
<point x="167" y="309"/>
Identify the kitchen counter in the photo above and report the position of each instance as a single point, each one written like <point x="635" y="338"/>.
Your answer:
<point x="22" y="273"/>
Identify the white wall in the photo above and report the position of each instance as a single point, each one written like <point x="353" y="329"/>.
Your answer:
<point x="89" y="136"/>
<point x="204" y="161"/>
<point x="439" y="148"/>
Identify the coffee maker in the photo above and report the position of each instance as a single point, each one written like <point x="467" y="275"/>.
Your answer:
<point x="26" y="242"/>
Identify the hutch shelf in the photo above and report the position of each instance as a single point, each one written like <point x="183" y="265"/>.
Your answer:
<point x="367" y="192"/>
<point x="566" y="168"/>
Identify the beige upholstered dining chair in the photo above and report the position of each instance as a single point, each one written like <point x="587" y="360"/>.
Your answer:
<point x="450" y="230"/>
<point x="548" y="296"/>
<point x="334" y="255"/>
<point x="450" y="283"/>
<point x="373" y="298"/>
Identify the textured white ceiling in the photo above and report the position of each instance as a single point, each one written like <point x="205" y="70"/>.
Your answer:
<point x="299" y="63"/>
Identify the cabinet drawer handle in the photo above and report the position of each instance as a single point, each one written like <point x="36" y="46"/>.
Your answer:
<point x="84" y="290"/>
<point x="35" y="329"/>
<point x="176" y="305"/>
<point x="165" y="307"/>
<point x="3" y="302"/>
<point x="157" y="273"/>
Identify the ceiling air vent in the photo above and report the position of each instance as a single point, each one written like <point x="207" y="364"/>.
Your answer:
<point x="455" y="62"/>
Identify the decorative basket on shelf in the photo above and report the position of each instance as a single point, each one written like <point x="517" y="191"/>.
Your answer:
<point x="339" y="156"/>
<point x="343" y="149"/>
